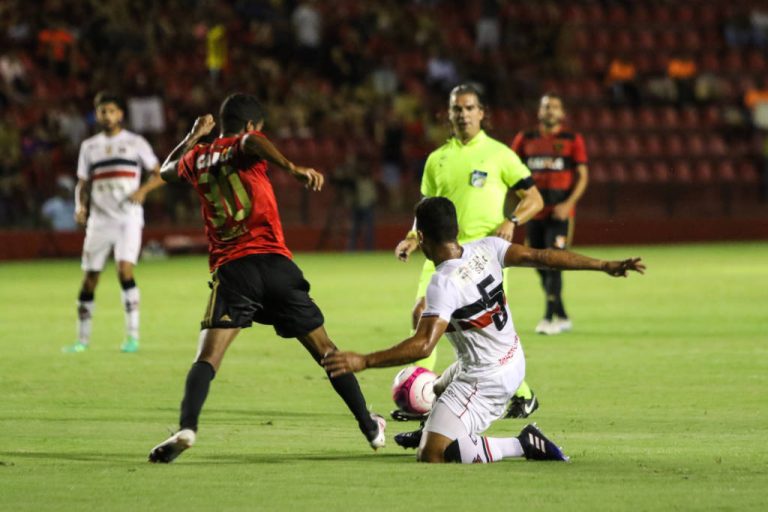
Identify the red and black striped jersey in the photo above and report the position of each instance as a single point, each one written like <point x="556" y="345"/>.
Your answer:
<point x="237" y="200"/>
<point x="552" y="159"/>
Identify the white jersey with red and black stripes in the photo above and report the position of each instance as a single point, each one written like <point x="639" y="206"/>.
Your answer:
<point x="113" y="165"/>
<point x="468" y="292"/>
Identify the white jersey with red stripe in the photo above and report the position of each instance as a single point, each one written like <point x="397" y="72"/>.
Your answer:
<point x="468" y="292"/>
<point x="113" y="165"/>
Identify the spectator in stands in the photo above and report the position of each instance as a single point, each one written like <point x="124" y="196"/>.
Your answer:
<point x="216" y="46"/>
<point x="756" y="104"/>
<point x="58" y="212"/>
<point x="307" y="23"/>
<point x="488" y="28"/>
<point x="441" y="70"/>
<point x="390" y="136"/>
<point x="15" y="80"/>
<point x="682" y="70"/>
<point x="621" y="81"/>
<point x="56" y="45"/>
<point x="758" y="19"/>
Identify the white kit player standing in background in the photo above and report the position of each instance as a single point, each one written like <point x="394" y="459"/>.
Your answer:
<point x="465" y="300"/>
<point x="109" y="197"/>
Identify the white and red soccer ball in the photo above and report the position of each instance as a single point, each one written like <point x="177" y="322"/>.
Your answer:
<point x="413" y="389"/>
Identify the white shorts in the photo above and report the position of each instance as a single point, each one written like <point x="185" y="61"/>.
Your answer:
<point x="476" y="401"/>
<point x="100" y="238"/>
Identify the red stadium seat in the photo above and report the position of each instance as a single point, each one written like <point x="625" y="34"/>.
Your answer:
<point x="611" y="146"/>
<point x="625" y="119"/>
<point x="617" y="172"/>
<point x="681" y="172"/>
<point x="726" y="172"/>
<point x="631" y="147"/>
<point x="652" y="145"/>
<point x="594" y="146"/>
<point x="670" y="118"/>
<point x="673" y="146"/>
<point x="703" y="172"/>
<point x="617" y="15"/>
<point x="646" y="119"/>
<point x="748" y="173"/>
<point x="605" y="119"/>
<point x="640" y="172"/>
<point x="695" y="145"/>
<point x="660" y="171"/>
<point x="716" y="146"/>
<point x="689" y="119"/>
<point x="598" y="172"/>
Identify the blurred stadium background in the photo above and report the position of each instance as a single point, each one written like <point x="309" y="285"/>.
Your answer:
<point x="672" y="97"/>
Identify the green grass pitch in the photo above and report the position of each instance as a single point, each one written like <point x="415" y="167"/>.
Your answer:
<point x="659" y="394"/>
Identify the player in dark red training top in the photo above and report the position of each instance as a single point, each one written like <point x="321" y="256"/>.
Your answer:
<point x="254" y="278"/>
<point x="557" y="159"/>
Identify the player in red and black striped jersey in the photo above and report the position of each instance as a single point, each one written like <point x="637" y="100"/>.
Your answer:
<point x="254" y="278"/>
<point x="557" y="158"/>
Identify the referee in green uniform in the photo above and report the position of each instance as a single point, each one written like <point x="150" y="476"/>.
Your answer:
<point x="475" y="172"/>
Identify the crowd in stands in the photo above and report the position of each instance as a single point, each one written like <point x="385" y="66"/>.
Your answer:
<point x="369" y="78"/>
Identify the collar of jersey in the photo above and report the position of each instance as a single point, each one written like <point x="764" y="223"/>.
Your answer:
<point x="474" y="141"/>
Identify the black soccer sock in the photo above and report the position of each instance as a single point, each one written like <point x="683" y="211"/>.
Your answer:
<point x="195" y="392"/>
<point x="556" y="290"/>
<point x="550" y="307"/>
<point x="348" y="389"/>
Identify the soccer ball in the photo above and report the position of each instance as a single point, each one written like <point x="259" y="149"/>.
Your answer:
<point x="412" y="389"/>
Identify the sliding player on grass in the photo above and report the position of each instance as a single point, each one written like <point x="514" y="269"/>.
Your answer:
<point x="253" y="277"/>
<point x="477" y="173"/>
<point x="466" y="301"/>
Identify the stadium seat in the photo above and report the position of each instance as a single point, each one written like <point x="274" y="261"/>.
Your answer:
<point x="660" y="171"/>
<point x="695" y="145"/>
<point x="652" y="145"/>
<point x="670" y="118"/>
<point x="748" y="173"/>
<point x="617" y="172"/>
<point x="681" y="172"/>
<point x="598" y="172"/>
<point x="716" y="146"/>
<point x="646" y="119"/>
<point x="689" y="119"/>
<point x="611" y="146"/>
<point x="631" y="147"/>
<point x="625" y="119"/>
<point x="726" y="172"/>
<point x="605" y="119"/>
<point x="673" y="146"/>
<point x="703" y="172"/>
<point x="639" y="172"/>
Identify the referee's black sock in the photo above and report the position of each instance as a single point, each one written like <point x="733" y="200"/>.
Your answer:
<point x="349" y="390"/>
<point x="195" y="392"/>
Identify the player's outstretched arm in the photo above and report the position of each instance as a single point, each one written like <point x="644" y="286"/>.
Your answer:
<point x="202" y="127"/>
<point x="558" y="259"/>
<point x="418" y="346"/>
<point x="255" y="144"/>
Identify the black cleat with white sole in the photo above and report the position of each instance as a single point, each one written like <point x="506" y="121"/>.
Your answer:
<point x="520" y="407"/>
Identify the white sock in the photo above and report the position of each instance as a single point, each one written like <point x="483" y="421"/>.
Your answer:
<point x="84" y="321"/>
<point x="130" y="298"/>
<point x="482" y="450"/>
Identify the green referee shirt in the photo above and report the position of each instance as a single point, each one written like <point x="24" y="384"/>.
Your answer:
<point x="476" y="177"/>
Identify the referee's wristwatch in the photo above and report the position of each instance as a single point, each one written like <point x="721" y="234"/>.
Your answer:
<point x="513" y="219"/>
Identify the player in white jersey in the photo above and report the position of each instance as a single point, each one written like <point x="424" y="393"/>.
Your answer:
<point x="109" y="197"/>
<point x="466" y="301"/>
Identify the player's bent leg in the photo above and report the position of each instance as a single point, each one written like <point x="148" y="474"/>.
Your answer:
<point x="373" y="426"/>
<point x="433" y="448"/>
<point x="523" y="403"/>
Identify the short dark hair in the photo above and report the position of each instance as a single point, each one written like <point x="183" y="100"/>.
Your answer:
<point x="103" y="97"/>
<point x="237" y="110"/>
<point x="436" y="219"/>
<point x="468" y="88"/>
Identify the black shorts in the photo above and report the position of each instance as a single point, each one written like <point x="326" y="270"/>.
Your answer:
<point x="267" y="289"/>
<point x="549" y="233"/>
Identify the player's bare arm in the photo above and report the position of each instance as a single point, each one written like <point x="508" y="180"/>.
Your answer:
<point x="408" y="244"/>
<point x="563" y="210"/>
<point x="254" y="144"/>
<point x="154" y="181"/>
<point x="202" y="127"/>
<point x="82" y="190"/>
<point x="418" y="346"/>
<point x="529" y="205"/>
<point x="559" y="259"/>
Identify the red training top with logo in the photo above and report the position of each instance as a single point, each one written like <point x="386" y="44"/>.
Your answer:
<point x="552" y="160"/>
<point x="237" y="200"/>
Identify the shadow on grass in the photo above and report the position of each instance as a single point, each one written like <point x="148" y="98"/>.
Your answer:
<point x="9" y="458"/>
